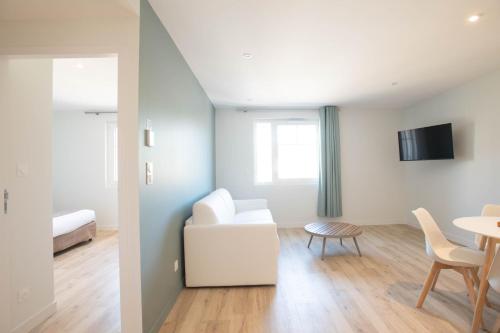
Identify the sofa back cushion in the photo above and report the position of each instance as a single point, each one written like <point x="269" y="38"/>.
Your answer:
<point x="228" y="200"/>
<point x="217" y="207"/>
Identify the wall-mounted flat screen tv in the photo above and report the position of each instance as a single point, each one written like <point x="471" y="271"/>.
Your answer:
<point x="426" y="143"/>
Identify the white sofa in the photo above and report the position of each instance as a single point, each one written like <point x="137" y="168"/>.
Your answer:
<point x="230" y="242"/>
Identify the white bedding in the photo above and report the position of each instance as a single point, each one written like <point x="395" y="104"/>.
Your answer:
<point x="67" y="222"/>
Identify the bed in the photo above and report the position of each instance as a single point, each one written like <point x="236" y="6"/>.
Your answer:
<point x="71" y="228"/>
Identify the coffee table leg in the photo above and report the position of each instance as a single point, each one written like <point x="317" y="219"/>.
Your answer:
<point x="310" y="240"/>
<point x="357" y="247"/>
<point x="323" y="250"/>
<point x="341" y="242"/>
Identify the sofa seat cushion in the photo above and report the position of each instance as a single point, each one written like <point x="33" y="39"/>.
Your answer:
<point x="254" y="216"/>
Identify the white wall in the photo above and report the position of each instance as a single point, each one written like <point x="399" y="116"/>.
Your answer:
<point x="371" y="173"/>
<point x="459" y="187"/>
<point x="29" y="181"/>
<point x="79" y="166"/>
<point x="372" y="191"/>
<point x="93" y="37"/>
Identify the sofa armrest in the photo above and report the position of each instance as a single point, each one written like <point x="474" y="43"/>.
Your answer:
<point x="252" y="204"/>
<point x="231" y="254"/>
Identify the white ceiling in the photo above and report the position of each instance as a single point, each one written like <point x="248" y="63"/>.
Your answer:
<point x="316" y="52"/>
<point x="85" y="84"/>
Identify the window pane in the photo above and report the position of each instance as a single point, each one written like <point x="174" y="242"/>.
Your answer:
<point x="115" y="154"/>
<point x="111" y="154"/>
<point x="307" y="134"/>
<point x="263" y="153"/>
<point x="298" y="158"/>
<point x="286" y="134"/>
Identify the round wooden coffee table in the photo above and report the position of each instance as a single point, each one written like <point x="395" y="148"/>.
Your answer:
<point x="333" y="230"/>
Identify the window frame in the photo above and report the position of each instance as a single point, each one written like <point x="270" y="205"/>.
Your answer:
<point x="275" y="180"/>
<point x="111" y="154"/>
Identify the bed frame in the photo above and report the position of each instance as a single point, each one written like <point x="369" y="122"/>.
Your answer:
<point x="83" y="234"/>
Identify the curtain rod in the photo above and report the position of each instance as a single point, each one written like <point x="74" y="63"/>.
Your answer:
<point x="278" y="108"/>
<point x="273" y="110"/>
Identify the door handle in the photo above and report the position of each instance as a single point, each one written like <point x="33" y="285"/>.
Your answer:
<point x="5" y="201"/>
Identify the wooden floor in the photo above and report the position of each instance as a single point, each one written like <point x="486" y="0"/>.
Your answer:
<point x="343" y="293"/>
<point x="87" y="289"/>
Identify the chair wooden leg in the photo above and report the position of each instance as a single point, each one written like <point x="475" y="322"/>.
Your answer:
<point x="471" y="291"/>
<point x="341" y="242"/>
<point x="483" y="288"/>
<point x="470" y="287"/>
<point x="428" y="283"/>
<point x="435" y="279"/>
<point x="486" y="302"/>
<point x="475" y="277"/>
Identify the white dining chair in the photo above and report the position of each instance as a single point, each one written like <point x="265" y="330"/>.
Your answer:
<point x="488" y="210"/>
<point x="446" y="255"/>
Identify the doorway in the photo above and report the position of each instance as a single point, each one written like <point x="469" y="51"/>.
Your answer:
<point x="85" y="198"/>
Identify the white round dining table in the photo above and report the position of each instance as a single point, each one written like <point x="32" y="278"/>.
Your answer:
<point x="481" y="225"/>
<point x="487" y="227"/>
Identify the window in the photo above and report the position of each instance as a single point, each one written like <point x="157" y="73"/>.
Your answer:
<point x="111" y="154"/>
<point x="286" y="151"/>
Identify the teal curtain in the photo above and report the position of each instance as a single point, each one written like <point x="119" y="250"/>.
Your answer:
<point x="329" y="196"/>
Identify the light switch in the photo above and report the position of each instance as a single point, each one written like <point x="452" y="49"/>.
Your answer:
<point x="149" y="137"/>
<point x="149" y="173"/>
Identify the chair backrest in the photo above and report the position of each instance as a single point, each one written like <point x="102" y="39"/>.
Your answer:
<point x="488" y="210"/>
<point x="434" y="238"/>
<point x="491" y="210"/>
<point x="217" y="207"/>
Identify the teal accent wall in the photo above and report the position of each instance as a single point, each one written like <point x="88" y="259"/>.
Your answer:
<point x="182" y="118"/>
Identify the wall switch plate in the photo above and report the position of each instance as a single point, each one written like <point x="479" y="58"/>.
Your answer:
<point x="176" y="265"/>
<point x="149" y="173"/>
<point x="149" y="137"/>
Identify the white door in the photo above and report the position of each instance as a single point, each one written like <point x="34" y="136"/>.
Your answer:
<point x="26" y="261"/>
<point x="4" y="244"/>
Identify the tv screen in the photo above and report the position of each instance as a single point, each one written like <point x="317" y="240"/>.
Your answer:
<point x="426" y="143"/>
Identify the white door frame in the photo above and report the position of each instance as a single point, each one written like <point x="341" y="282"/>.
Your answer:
<point x="5" y="311"/>
<point x="128" y="184"/>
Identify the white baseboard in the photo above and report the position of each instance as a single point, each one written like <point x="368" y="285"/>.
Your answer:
<point x="38" y="318"/>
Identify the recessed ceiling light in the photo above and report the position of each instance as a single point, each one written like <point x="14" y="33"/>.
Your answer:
<point x="247" y="56"/>
<point x="474" y="18"/>
<point x="79" y="65"/>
